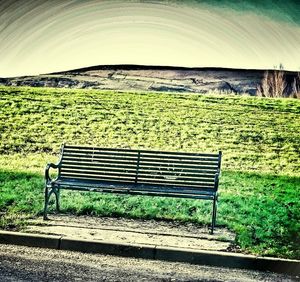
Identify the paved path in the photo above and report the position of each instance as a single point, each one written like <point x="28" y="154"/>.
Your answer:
<point x="19" y="263"/>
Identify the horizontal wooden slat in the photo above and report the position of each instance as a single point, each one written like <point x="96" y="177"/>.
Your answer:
<point x="161" y="159"/>
<point x="99" y="161"/>
<point x="101" y="157"/>
<point x="175" y="183"/>
<point x="179" y="153"/>
<point x="144" y="177"/>
<point x="66" y="147"/>
<point x="171" y="163"/>
<point x="98" y="172"/>
<point x="176" y="177"/>
<point x="179" y="157"/>
<point x="130" y="187"/>
<point x="140" y="181"/>
<point x="102" y="178"/>
<point x="179" y="165"/>
<point x="167" y="190"/>
<point x="166" y="171"/>
<point x="99" y="168"/>
<point x="144" y="167"/>
<point x="177" y="194"/>
<point x="177" y="161"/>
<point x="67" y="163"/>
<point x="145" y="171"/>
<point x="101" y="153"/>
<point x="156" y="163"/>
<point x="143" y="155"/>
<point x="178" y="182"/>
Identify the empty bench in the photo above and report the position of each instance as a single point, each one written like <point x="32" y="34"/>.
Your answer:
<point x="136" y="172"/>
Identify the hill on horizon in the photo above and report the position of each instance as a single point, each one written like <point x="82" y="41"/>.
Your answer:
<point x="150" y="78"/>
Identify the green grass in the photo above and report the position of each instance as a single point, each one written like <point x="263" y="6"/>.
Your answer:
<point x="260" y="184"/>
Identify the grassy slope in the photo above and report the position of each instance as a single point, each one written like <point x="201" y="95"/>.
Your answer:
<point x="259" y="190"/>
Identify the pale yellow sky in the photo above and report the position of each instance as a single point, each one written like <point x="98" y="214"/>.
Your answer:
<point x="43" y="37"/>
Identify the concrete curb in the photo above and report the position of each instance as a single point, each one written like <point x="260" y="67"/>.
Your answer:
<point x="109" y="248"/>
<point x="230" y="260"/>
<point x="30" y="240"/>
<point x="211" y="258"/>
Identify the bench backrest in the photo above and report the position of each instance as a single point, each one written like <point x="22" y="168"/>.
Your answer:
<point x="175" y="169"/>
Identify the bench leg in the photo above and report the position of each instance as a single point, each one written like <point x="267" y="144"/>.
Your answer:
<point x="47" y="195"/>
<point x="57" y="196"/>
<point x="214" y="215"/>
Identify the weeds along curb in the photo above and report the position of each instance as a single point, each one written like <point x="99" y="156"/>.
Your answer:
<point x="199" y="257"/>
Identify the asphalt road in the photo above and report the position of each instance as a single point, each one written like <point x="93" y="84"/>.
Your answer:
<point x="18" y="263"/>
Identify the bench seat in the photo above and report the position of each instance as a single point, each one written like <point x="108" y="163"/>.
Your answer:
<point x="138" y="189"/>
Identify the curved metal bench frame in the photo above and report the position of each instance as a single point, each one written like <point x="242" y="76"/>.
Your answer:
<point x="135" y="172"/>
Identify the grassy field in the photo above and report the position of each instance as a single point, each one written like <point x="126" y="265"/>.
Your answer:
<point x="259" y="138"/>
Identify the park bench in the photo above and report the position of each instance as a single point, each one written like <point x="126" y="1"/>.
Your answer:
<point x="136" y="172"/>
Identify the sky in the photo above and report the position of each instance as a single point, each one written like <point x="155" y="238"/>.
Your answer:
<point x="42" y="36"/>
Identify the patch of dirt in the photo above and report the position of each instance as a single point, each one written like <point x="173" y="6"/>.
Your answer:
<point x="128" y="231"/>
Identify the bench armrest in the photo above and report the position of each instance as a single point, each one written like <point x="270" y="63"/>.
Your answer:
<point x="48" y="166"/>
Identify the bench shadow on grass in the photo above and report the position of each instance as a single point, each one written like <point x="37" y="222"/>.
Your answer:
<point x="262" y="209"/>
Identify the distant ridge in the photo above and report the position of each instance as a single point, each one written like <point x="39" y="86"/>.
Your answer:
<point x="130" y="77"/>
<point x="155" y="67"/>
